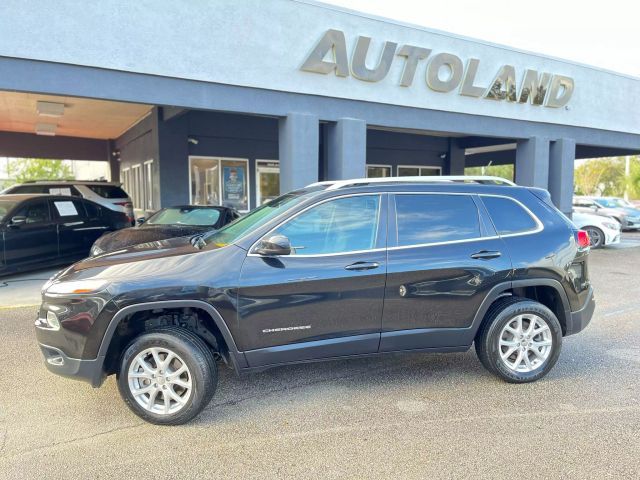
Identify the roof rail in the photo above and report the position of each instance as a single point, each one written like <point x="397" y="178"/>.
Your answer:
<point x="489" y="180"/>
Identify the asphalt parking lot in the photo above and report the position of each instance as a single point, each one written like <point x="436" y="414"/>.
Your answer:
<point x="411" y="416"/>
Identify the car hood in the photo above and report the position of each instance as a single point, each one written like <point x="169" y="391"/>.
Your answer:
<point x="631" y="212"/>
<point x="145" y="234"/>
<point x="171" y="258"/>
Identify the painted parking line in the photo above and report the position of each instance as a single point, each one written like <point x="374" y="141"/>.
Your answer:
<point x="10" y="307"/>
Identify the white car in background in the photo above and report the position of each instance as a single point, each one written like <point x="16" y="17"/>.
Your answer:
<point x="602" y="230"/>
<point x="107" y="194"/>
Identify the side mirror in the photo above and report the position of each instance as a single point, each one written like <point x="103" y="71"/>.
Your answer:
<point x="141" y="220"/>
<point x="595" y="207"/>
<point x="274" y="245"/>
<point x="18" y="220"/>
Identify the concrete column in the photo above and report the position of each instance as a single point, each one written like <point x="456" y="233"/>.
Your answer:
<point x="456" y="159"/>
<point x="561" y="164"/>
<point x="298" y="144"/>
<point x="114" y="162"/>
<point x="347" y="149"/>
<point x="171" y="161"/>
<point x="532" y="162"/>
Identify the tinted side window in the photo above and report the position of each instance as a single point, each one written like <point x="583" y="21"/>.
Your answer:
<point x="583" y="203"/>
<point x="508" y="216"/>
<point x="93" y="210"/>
<point x="337" y="226"/>
<point x="35" y="212"/>
<point x="68" y="210"/>
<point x="68" y="190"/>
<point x="436" y="218"/>
<point x="30" y="189"/>
<point x="108" y="191"/>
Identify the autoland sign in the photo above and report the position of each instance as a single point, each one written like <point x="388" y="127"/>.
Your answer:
<point x="330" y="55"/>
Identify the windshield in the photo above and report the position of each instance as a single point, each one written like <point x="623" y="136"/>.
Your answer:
<point x="185" y="216"/>
<point x="255" y="219"/>
<point x="5" y="207"/>
<point x="609" y="202"/>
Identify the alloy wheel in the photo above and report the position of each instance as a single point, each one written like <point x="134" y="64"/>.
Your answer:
<point x="160" y="381"/>
<point x="525" y="343"/>
<point x="595" y="236"/>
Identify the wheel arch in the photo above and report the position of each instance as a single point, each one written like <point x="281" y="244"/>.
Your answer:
<point x="236" y="358"/>
<point x="547" y="291"/>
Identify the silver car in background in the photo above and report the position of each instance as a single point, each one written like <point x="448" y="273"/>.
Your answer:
<point x="602" y="230"/>
<point x="629" y="218"/>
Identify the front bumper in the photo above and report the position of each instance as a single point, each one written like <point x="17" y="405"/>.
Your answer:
<point x="612" y="237"/>
<point x="84" y="370"/>
<point x="579" y="319"/>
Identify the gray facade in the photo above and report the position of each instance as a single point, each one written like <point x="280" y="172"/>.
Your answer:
<point x="251" y="102"/>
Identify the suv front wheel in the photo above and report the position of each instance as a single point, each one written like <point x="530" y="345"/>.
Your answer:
<point x="520" y="340"/>
<point x="167" y="376"/>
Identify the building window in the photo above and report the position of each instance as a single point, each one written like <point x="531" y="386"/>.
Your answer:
<point x="125" y="175"/>
<point x="219" y="181"/>
<point x="378" y="171"/>
<point x="136" y="186"/>
<point x="137" y="181"/>
<point x="148" y="189"/>
<point x="267" y="181"/>
<point x="418" y="171"/>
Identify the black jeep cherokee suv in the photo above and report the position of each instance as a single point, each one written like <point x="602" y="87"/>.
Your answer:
<point x="331" y="271"/>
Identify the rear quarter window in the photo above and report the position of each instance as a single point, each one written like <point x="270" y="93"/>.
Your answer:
<point x="108" y="191"/>
<point x="424" y="219"/>
<point x="509" y="217"/>
<point x="93" y="210"/>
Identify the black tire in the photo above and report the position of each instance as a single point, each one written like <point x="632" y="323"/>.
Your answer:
<point x="194" y="353"/>
<point x="487" y="340"/>
<point x="596" y="236"/>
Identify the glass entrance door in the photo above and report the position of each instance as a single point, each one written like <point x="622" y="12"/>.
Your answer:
<point x="267" y="181"/>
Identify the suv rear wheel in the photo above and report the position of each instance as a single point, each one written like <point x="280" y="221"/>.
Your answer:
<point x="520" y="340"/>
<point x="167" y="376"/>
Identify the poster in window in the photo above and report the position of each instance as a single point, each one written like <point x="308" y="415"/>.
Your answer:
<point x="234" y="187"/>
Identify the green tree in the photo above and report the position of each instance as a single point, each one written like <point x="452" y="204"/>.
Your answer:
<point x="600" y="176"/>
<point x="28" y="169"/>
<point x="634" y="178"/>
<point x="502" y="171"/>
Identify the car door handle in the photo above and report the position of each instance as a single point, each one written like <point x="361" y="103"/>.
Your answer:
<point x="485" y="255"/>
<point x="362" y="266"/>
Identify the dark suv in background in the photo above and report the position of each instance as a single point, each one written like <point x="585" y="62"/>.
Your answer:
<point x="38" y="231"/>
<point x="337" y="269"/>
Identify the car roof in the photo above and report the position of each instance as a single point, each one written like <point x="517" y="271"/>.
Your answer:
<point x="437" y="186"/>
<point x="20" y="197"/>
<point x="69" y="182"/>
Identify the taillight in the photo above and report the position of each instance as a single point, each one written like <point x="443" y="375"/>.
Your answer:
<point x="124" y="204"/>
<point x="582" y="238"/>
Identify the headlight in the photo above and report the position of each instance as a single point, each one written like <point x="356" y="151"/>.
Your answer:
<point x="77" y="287"/>
<point x="612" y="226"/>
<point x="95" y="250"/>
<point x="50" y="322"/>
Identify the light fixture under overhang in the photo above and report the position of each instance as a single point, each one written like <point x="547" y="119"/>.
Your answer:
<point x="46" y="129"/>
<point x="50" y="109"/>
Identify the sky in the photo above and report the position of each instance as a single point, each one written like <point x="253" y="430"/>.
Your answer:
<point x="604" y="34"/>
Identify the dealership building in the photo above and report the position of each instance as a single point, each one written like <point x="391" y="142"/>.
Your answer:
<point x="231" y="102"/>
